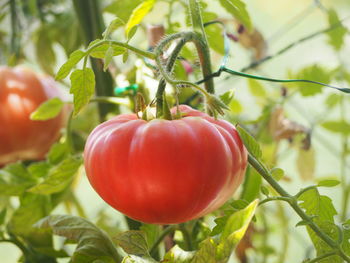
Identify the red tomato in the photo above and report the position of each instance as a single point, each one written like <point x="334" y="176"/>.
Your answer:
<point x="21" y="92"/>
<point x="165" y="172"/>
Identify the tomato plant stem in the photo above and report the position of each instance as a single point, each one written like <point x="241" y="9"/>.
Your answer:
<point x="345" y="184"/>
<point x="92" y="26"/>
<point x="293" y="202"/>
<point x="202" y="45"/>
<point x="187" y="37"/>
<point x="14" y="30"/>
<point x="186" y="236"/>
<point x="168" y="230"/>
<point x="136" y="50"/>
<point x="320" y="258"/>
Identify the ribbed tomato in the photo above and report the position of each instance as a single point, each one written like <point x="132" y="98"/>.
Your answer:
<point x="21" y="92"/>
<point x="165" y="172"/>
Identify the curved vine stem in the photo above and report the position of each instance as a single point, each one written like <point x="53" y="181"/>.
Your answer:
<point x="293" y="202"/>
<point x="138" y="51"/>
<point x="185" y="37"/>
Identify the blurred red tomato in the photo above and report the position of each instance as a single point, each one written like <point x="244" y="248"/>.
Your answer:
<point x="21" y="92"/>
<point x="165" y="172"/>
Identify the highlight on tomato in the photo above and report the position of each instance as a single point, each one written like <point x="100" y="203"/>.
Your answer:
<point x="165" y="171"/>
<point x="21" y="92"/>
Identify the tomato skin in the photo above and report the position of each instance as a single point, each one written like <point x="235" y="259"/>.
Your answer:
<point x="165" y="172"/>
<point x="21" y="92"/>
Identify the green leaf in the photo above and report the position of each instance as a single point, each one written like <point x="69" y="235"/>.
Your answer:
<point x="58" y="178"/>
<point x="341" y="127"/>
<point x="235" y="106"/>
<point x="138" y="14"/>
<point x="306" y="164"/>
<point x="251" y="185"/>
<point x="122" y="9"/>
<point x="32" y="208"/>
<point x="43" y="48"/>
<point x="92" y="242"/>
<point x="66" y="68"/>
<point x="319" y="205"/>
<point x="114" y="25"/>
<point x="215" y="42"/>
<point x="277" y="173"/>
<point x="206" y="252"/>
<point x="133" y="242"/>
<point x="47" y="110"/>
<point x="15" y="180"/>
<point x="333" y="100"/>
<point x="125" y="56"/>
<point x="234" y="231"/>
<point x="237" y="8"/>
<point x="132" y="32"/>
<point x="39" y="169"/>
<point x="108" y="57"/>
<point x="328" y="183"/>
<point x="315" y="73"/>
<point x="58" y="152"/>
<point x="336" y="35"/>
<point x="136" y="259"/>
<point x="227" y="96"/>
<point x="249" y="142"/>
<point x="256" y="88"/>
<point x="83" y="87"/>
<point x="346" y="239"/>
<point x="152" y="232"/>
<point x="101" y="51"/>
<point x="176" y="254"/>
<point x="3" y="216"/>
<point x="264" y="190"/>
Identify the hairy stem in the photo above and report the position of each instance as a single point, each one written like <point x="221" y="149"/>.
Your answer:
<point x="187" y="37"/>
<point x="202" y="46"/>
<point x="293" y="202"/>
<point x="166" y="231"/>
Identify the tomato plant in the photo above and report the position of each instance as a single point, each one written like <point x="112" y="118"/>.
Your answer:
<point x="168" y="154"/>
<point x="165" y="172"/>
<point x="21" y="92"/>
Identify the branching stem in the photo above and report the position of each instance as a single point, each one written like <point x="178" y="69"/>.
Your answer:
<point x="293" y="202"/>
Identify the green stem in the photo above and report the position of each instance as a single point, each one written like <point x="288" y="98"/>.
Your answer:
<point x="304" y="190"/>
<point x="285" y="238"/>
<point x="188" y="37"/>
<point x="14" y="29"/>
<point x="187" y="237"/>
<point x="138" y="51"/>
<point x="262" y="170"/>
<point x="202" y="45"/>
<point x="69" y="133"/>
<point x="166" y="231"/>
<point x="326" y="255"/>
<point x="275" y="198"/>
<point x="169" y="68"/>
<point x="92" y="26"/>
<point x="345" y="185"/>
